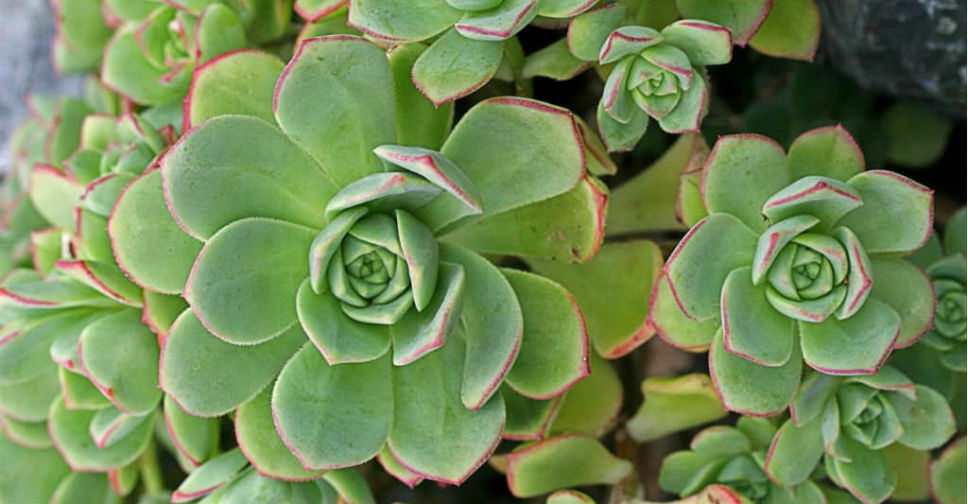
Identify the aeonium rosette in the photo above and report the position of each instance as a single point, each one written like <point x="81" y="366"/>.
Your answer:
<point x="660" y="75"/>
<point x="796" y="261"/>
<point x="944" y="262"/>
<point x="340" y="292"/>
<point x="850" y="421"/>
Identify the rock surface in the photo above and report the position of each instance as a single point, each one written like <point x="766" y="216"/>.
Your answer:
<point x="26" y="32"/>
<point x="906" y="48"/>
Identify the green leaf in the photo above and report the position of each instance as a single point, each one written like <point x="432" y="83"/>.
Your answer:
<point x="704" y="43"/>
<point x="111" y="425"/>
<point x="195" y="438"/>
<point x="916" y="136"/>
<point x="619" y="137"/>
<point x="816" y="390"/>
<point x="867" y="474"/>
<point x="69" y="430"/>
<point x="910" y="466"/>
<point x="752" y="329"/>
<point x="92" y="239"/>
<point x="418" y="121"/>
<point x="210" y="476"/>
<point x="393" y="468"/>
<point x="591" y="406"/>
<point x="684" y="471"/>
<point x="947" y="474"/>
<point x="251" y="486"/>
<point x="905" y="288"/>
<point x="433" y="433"/>
<point x="516" y="152"/>
<point x="270" y="177"/>
<point x="566" y="227"/>
<point x="829" y="152"/>
<point x="351" y="485"/>
<point x="697" y="268"/>
<point x="794" y="453"/>
<point x="741" y="174"/>
<point x="29" y="434"/>
<point x="554" y="344"/>
<point x="499" y="23"/>
<point x="209" y="377"/>
<point x="615" y="316"/>
<point x="720" y="441"/>
<point x="673" y="405"/>
<point x="339" y="338"/>
<point x="29" y="400"/>
<point x="124" y="369"/>
<point x="434" y="168"/>
<point x="54" y="195"/>
<point x="493" y="325"/>
<point x="528" y="419"/>
<point x="821" y="197"/>
<point x="749" y="388"/>
<point x="421" y="252"/>
<point x="260" y="442"/>
<point x="742" y="17"/>
<point x="160" y="312"/>
<point x="78" y="391"/>
<point x="127" y="69"/>
<point x="896" y="215"/>
<point x="954" y="236"/>
<point x="396" y="21"/>
<point x="217" y="31"/>
<point x="346" y="80"/>
<point x="569" y="497"/>
<point x="674" y="326"/>
<point x="25" y="350"/>
<point x="240" y="82"/>
<point x="106" y="278"/>
<point x="239" y="295"/>
<point x="856" y="345"/>
<point x="312" y="10"/>
<point x="29" y="475"/>
<point x="588" y="32"/>
<point x="563" y="8"/>
<point x="418" y="333"/>
<point x="149" y="246"/>
<point x="318" y="408"/>
<point x="927" y="421"/>
<point x="791" y="30"/>
<point x="554" y="61"/>
<point x="455" y="66"/>
<point x="562" y="462"/>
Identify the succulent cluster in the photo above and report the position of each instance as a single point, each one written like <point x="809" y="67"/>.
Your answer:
<point x="267" y="248"/>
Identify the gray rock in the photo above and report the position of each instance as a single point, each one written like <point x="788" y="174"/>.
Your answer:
<point x="26" y="32"/>
<point x="911" y="49"/>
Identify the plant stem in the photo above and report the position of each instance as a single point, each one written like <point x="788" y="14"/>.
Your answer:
<point x="150" y="470"/>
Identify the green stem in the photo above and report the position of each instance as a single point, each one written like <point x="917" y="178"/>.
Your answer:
<point x="150" y="470"/>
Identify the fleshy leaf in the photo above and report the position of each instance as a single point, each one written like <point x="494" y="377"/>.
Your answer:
<point x="260" y="442"/>
<point x="196" y="438"/>
<point x="615" y="316"/>
<point x="896" y="216"/>
<point x="867" y="474"/>
<point x="749" y="388"/>
<point x="54" y="195"/>
<point x="351" y="486"/>
<point x="528" y="418"/>
<point x="791" y="30"/>
<point x="193" y="356"/>
<point x="110" y="425"/>
<point x="947" y="474"/>
<point x="435" y="168"/>
<point x="742" y="17"/>
<point x="455" y="66"/>
<point x="828" y="152"/>
<point x="24" y="350"/>
<point x="317" y="408"/>
<point x="338" y="337"/>
<point x="554" y="345"/>
<point x="69" y="430"/>
<point x="124" y="369"/>
<point x="29" y="475"/>
<point x="554" y="61"/>
<point x="270" y="176"/>
<point x="236" y="293"/>
<point x="421" y="252"/>
<point x="751" y="327"/>
<point x="927" y="421"/>
<point x="433" y="434"/>
<point x="252" y="76"/>
<point x="393" y="21"/>
<point x="493" y="322"/>
<point x="674" y="326"/>
<point x="346" y="80"/>
<point x="589" y="31"/>
<point x="741" y="174"/>
<point x="673" y="405"/>
<point x="857" y="345"/>
<point x="812" y="397"/>
<point x="393" y="468"/>
<point x="592" y="405"/>
<point x="498" y="23"/>
<point x="906" y="289"/>
<point x="697" y="268"/>
<point x="418" y="333"/>
<point x="619" y="137"/>
<point x="794" y="452"/>
<point x="824" y="198"/>
<point x="562" y="462"/>
<point x="28" y="434"/>
<point x="210" y="476"/>
<point x="419" y="122"/>
<point x="312" y="10"/>
<point x="704" y="43"/>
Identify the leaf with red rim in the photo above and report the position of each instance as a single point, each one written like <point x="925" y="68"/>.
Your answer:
<point x="261" y="444"/>
<point x="343" y="78"/>
<point x="455" y="66"/>
<point x="393" y="468"/>
<point x="313" y="10"/>
<point x="493" y="324"/>
<point x="111" y="425"/>
<point x="528" y="419"/>
<point x="69" y="431"/>
<point x="947" y="471"/>
<point x="339" y="338"/>
<point x="54" y="195"/>
<point x="91" y="239"/>
<point x="830" y="152"/>
<point x="418" y="121"/>
<point x="419" y="333"/>
<point x="824" y="198"/>
<point x="674" y="326"/>
<point x="210" y="476"/>
<point x="752" y="328"/>
<point x="402" y="21"/>
<point x="554" y="346"/>
<point x="433" y="433"/>
<point x="857" y="345"/>
<point x="84" y="487"/>
<point x="78" y="392"/>
<point x="196" y="438"/>
<point x="592" y="405"/>
<point x="29" y="400"/>
<point x="351" y="486"/>
<point x="562" y="462"/>
<point x="673" y="405"/>
<point x="499" y="23"/>
<point x="794" y="452"/>
<point x="126" y="69"/>
<point x="554" y="61"/>
<point x="896" y="215"/>
<point x="749" y="388"/>
<point x="790" y="30"/>
<point x="742" y="17"/>
<point x="100" y="195"/>
<point x="217" y="31"/>
<point x="705" y="43"/>
<point x="253" y="75"/>
<point x="192" y="357"/>
<point x="907" y="290"/>
<point x="588" y="32"/>
<point x="104" y="277"/>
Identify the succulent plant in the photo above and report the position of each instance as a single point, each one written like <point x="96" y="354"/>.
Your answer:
<point x="948" y="474"/>
<point x="156" y="47"/>
<point x="374" y="286"/>
<point x="82" y="33"/>
<point x="796" y="261"/>
<point x="473" y="39"/>
<point x="733" y="457"/>
<point x="848" y="421"/>
<point x="945" y="264"/>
